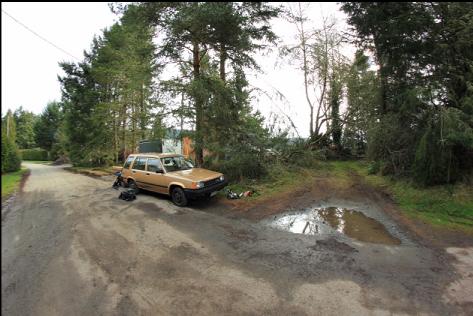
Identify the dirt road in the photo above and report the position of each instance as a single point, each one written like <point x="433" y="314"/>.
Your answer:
<point x="71" y="247"/>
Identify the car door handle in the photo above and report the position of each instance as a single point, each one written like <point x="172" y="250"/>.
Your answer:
<point x="147" y="173"/>
<point x="133" y="172"/>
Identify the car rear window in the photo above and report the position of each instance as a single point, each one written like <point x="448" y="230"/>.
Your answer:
<point x="128" y="162"/>
<point x="139" y="163"/>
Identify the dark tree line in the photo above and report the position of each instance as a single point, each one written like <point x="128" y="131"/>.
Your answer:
<point x="422" y="124"/>
<point x="412" y="113"/>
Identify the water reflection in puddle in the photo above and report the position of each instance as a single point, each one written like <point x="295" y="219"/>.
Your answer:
<point x="352" y="223"/>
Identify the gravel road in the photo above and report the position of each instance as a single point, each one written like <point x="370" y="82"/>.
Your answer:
<point x="71" y="247"/>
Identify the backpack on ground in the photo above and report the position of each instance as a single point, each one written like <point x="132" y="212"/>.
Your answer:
<point x="128" y="195"/>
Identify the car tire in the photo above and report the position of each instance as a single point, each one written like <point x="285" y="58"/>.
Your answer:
<point x="178" y="197"/>
<point x="132" y="185"/>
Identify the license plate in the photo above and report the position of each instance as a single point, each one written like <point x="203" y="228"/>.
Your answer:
<point x="213" y="193"/>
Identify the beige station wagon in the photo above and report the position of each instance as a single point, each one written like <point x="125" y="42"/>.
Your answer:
<point x="171" y="174"/>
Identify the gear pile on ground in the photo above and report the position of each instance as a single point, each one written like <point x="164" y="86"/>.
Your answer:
<point x="128" y="195"/>
<point x="119" y="181"/>
<point x="233" y="196"/>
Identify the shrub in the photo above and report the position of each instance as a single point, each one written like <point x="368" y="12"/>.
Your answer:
<point x="305" y="158"/>
<point x="237" y="167"/>
<point x="34" y="154"/>
<point x="374" y="167"/>
<point x="444" y="152"/>
<point x="11" y="159"/>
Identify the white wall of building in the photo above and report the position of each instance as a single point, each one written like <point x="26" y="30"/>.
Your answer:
<point x="172" y="146"/>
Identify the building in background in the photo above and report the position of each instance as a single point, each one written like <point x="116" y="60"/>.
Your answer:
<point x="173" y="142"/>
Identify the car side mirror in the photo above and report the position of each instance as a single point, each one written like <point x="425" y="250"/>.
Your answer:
<point x="159" y="171"/>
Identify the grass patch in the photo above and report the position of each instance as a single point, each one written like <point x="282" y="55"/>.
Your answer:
<point x="444" y="205"/>
<point x="11" y="181"/>
<point x="279" y="179"/>
<point x="440" y="205"/>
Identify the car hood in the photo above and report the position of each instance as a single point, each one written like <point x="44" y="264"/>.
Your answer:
<point x="195" y="174"/>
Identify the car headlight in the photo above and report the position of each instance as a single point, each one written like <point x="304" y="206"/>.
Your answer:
<point x="200" y="184"/>
<point x="222" y="178"/>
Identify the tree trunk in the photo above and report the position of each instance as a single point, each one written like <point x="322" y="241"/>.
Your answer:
<point x="143" y="114"/>
<point x="322" y="117"/>
<point x="8" y="125"/>
<point x="336" y="129"/>
<point x="115" y="137"/>
<point x="115" y="114"/>
<point x="223" y="59"/>
<point x="124" y="129"/>
<point x="318" y="124"/>
<point x="306" y="86"/>
<point x="181" y="115"/>
<point x="199" y="114"/>
<point x="306" y="74"/>
<point x="133" y="124"/>
<point x="383" y="82"/>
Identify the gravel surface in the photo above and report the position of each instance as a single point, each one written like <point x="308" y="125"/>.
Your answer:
<point x="71" y="247"/>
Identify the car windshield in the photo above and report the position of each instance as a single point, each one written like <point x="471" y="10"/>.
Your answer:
<point x="176" y="163"/>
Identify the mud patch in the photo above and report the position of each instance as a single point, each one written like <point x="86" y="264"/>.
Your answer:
<point x="239" y="234"/>
<point x="149" y="208"/>
<point x="330" y="220"/>
<point x="333" y="245"/>
<point x="153" y="210"/>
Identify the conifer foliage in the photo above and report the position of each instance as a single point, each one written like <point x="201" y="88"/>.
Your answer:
<point x="11" y="159"/>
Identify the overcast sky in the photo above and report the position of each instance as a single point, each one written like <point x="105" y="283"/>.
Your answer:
<point x="30" y="64"/>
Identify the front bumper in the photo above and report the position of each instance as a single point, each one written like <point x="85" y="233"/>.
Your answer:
<point x="193" y="194"/>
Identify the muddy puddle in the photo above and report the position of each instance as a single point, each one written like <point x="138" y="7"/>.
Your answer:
<point x="326" y="220"/>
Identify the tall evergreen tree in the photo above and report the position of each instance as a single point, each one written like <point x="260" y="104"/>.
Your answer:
<point x="362" y="104"/>
<point x="25" y="121"/>
<point x="11" y="159"/>
<point x="192" y="32"/>
<point x="111" y="91"/>
<point x="47" y="126"/>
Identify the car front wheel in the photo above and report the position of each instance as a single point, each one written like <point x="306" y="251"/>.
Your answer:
<point x="179" y="197"/>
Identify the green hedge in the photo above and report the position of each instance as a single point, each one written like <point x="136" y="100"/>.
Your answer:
<point x="34" y="154"/>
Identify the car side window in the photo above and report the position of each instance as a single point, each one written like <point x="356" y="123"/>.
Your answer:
<point x="128" y="162"/>
<point x="139" y="163"/>
<point x="154" y="164"/>
<point x="167" y="162"/>
<point x="170" y="164"/>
